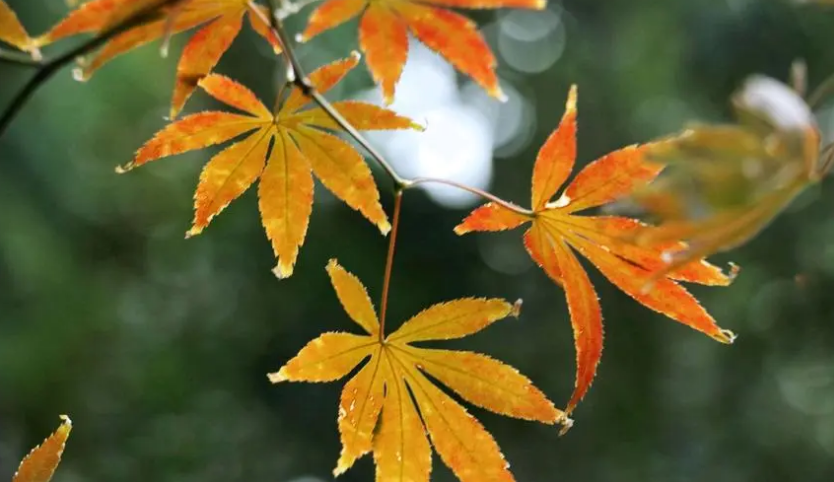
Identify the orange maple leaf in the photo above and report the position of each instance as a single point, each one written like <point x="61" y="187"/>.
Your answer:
<point x="40" y="464"/>
<point x="224" y="20"/>
<point x="557" y="231"/>
<point x="281" y="149"/>
<point x="387" y="386"/>
<point x="13" y="33"/>
<point x="384" y="27"/>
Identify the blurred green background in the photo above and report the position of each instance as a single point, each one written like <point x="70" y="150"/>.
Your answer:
<point x="158" y="347"/>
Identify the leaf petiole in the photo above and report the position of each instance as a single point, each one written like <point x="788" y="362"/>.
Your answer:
<point x="389" y="262"/>
<point x="474" y="190"/>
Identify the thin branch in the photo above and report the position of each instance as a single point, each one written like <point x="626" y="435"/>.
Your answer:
<point x="389" y="263"/>
<point x="474" y="190"/>
<point x="20" y="59"/>
<point x="50" y="68"/>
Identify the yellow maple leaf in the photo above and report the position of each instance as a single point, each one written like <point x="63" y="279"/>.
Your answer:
<point x="385" y="389"/>
<point x="13" y="33"/>
<point x="40" y="464"/>
<point x="281" y="149"/>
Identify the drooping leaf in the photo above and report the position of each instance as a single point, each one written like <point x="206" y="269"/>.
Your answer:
<point x="40" y="464"/>
<point x="557" y="232"/>
<point x="384" y="27"/>
<point x="390" y="389"/>
<point x="221" y="20"/>
<point x="284" y="151"/>
<point x="12" y="31"/>
<point x="725" y="183"/>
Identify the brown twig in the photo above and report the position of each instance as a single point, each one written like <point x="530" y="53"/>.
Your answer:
<point x="474" y="190"/>
<point x="389" y="263"/>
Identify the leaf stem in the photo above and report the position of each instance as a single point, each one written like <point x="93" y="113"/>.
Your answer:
<point x="474" y="190"/>
<point x="389" y="262"/>
<point x="49" y="68"/>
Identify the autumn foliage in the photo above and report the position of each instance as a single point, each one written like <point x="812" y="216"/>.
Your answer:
<point x="556" y="232"/>
<point x="40" y="464"/>
<point x="385" y="390"/>
<point x="703" y="190"/>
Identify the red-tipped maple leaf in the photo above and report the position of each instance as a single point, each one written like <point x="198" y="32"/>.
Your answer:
<point x="557" y="231"/>
<point x="224" y="19"/>
<point x="40" y="464"/>
<point x="281" y="149"/>
<point x="376" y="409"/>
<point x="13" y="33"/>
<point x="384" y="27"/>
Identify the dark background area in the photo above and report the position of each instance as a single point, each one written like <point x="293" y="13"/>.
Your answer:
<point x="158" y="347"/>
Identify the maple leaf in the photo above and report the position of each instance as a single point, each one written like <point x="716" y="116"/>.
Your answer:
<point x="384" y="27"/>
<point x="557" y="231"/>
<point x="726" y="183"/>
<point x="385" y="389"/>
<point x="223" y="19"/>
<point x="40" y="464"/>
<point x="13" y="33"/>
<point x="281" y="149"/>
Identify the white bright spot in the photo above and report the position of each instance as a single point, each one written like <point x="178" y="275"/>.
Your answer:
<point x="531" y="41"/>
<point x="457" y="143"/>
<point x="513" y="122"/>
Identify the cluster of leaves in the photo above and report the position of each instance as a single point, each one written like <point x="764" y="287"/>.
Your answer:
<point x="725" y="183"/>
<point x="40" y="464"/>
<point x="556" y="231"/>
<point x="281" y="149"/>
<point x="710" y="187"/>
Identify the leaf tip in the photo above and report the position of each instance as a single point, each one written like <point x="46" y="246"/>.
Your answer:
<point x="384" y="227"/>
<point x="516" y="309"/>
<point x="734" y="271"/>
<point x="194" y="231"/>
<point x="332" y="264"/>
<point x="282" y="270"/>
<point x="461" y="229"/>
<point x="566" y="422"/>
<point x="80" y="75"/>
<point x="341" y="466"/>
<point x="277" y="377"/>
<point x="725" y="336"/>
<point x="125" y="168"/>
